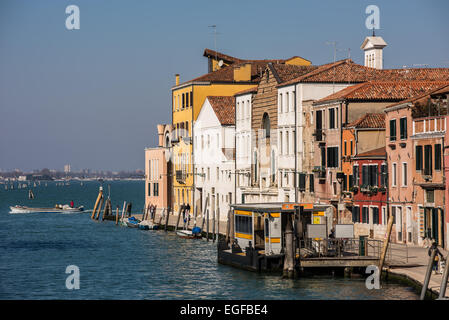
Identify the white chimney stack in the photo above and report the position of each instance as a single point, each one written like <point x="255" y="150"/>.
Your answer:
<point x="373" y="47"/>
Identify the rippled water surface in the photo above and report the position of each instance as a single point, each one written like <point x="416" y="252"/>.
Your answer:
<point x="124" y="263"/>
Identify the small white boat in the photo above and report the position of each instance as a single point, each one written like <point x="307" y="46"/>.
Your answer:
<point x="58" y="209"/>
<point x="147" y="225"/>
<point x="188" y="234"/>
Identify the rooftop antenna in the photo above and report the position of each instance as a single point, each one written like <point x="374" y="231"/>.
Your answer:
<point x="214" y="27"/>
<point x="334" y="43"/>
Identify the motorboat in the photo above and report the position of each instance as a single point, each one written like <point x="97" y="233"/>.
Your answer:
<point x="57" y="209"/>
<point x="147" y="225"/>
<point x="132" y="222"/>
<point x="195" y="233"/>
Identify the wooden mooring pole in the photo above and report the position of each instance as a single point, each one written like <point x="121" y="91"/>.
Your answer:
<point x="213" y="226"/>
<point x="385" y="246"/>
<point x="228" y="227"/>
<point x="179" y="216"/>
<point x="444" y="280"/>
<point x="166" y="221"/>
<point x="99" y="208"/>
<point x="100" y="195"/>
<point x="116" y="216"/>
<point x="123" y="210"/>
<point x="207" y="223"/>
<point x="428" y="274"/>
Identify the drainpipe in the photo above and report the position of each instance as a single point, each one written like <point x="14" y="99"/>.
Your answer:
<point x="296" y="148"/>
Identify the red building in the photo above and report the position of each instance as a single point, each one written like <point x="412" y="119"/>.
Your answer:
<point x="369" y="210"/>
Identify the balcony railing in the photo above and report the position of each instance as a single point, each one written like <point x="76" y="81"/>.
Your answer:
<point x="319" y="135"/>
<point x="181" y="176"/>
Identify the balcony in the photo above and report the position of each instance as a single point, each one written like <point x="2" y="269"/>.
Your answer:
<point x="181" y="176"/>
<point x="320" y="171"/>
<point x="319" y="135"/>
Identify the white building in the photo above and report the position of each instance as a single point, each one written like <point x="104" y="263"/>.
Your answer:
<point x="243" y="132"/>
<point x="214" y="156"/>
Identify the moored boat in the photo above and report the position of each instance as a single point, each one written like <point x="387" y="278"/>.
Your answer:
<point x="132" y="222"/>
<point x="195" y="233"/>
<point x="147" y="225"/>
<point x="57" y="209"/>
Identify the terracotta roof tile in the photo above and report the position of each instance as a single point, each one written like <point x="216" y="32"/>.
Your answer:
<point x="287" y="72"/>
<point x="369" y="120"/>
<point x="442" y="88"/>
<point x="383" y="90"/>
<point x="250" y="90"/>
<point x="224" y="108"/>
<point x="345" y="71"/>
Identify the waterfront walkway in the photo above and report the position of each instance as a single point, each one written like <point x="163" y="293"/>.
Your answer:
<point x="412" y="265"/>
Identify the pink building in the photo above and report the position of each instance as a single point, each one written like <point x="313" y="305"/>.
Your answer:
<point x="157" y="171"/>
<point x="415" y="141"/>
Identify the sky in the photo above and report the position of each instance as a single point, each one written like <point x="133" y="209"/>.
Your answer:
<point x="92" y="97"/>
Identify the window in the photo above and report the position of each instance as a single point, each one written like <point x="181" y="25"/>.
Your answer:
<point x="365" y="215"/>
<point x="323" y="157"/>
<point x="302" y="182"/>
<point x="156" y="189"/>
<point x="287" y="143"/>
<point x="351" y="148"/>
<point x="356" y="214"/>
<point x="428" y="160"/>
<point x="345" y="149"/>
<point x="438" y="157"/>
<point x="266" y="125"/>
<point x="356" y="176"/>
<point x="281" y="102"/>
<point x="403" y="128"/>
<point x="430" y="196"/>
<point x="244" y="224"/>
<point x="286" y="102"/>
<point x="345" y="182"/>
<point x="383" y="175"/>
<point x="149" y="189"/>
<point x="394" y="181"/>
<point x="332" y="118"/>
<point x="375" y="215"/>
<point x="373" y="176"/>
<point x="311" y="183"/>
<point x="332" y="157"/>
<point x="365" y="175"/>
<point x="273" y="167"/>
<point x="281" y="143"/>
<point x="404" y="174"/>
<point x="418" y="156"/>
<point x="393" y="130"/>
<point x="183" y="101"/>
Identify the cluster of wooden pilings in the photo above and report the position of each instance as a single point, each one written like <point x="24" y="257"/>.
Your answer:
<point x="107" y="209"/>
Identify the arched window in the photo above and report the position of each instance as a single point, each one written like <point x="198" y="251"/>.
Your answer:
<point x="266" y="125"/>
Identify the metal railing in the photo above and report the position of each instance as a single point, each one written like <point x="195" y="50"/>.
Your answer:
<point x="340" y="248"/>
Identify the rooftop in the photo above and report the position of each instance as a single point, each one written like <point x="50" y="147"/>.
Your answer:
<point x="224" y="108"/>
<point x="369" y="121"/>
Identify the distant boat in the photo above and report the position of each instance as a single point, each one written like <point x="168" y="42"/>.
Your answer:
<point x="147" y="225"/>
<point x="195" y="233"/>
<point x="57" y="209"/>
<point x="132" y="222"/>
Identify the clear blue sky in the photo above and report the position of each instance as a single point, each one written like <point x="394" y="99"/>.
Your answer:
<point x="92" y="97"/>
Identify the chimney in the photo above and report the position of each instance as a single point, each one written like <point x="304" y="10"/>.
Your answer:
<point x="243" y="72"/>
<point x="177" y="79"/>
<point x="373" y="47"/>
<point x="160" y="132"/>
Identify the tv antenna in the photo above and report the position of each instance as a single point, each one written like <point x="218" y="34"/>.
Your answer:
<point x="214" y="27"/>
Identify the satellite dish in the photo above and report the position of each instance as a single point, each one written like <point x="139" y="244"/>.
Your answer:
<point x="220" y="63"/>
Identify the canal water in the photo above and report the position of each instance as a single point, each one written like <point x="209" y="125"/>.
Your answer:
<point x="124" y="263"/>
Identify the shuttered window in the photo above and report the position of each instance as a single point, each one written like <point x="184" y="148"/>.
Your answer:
<point x="403" y="128"/>
<point x="375" y="215"/>
<point x="383" y="175"/>
<point x="438" y="157"/>
<point x="311" y="183"/>
<point x="418" y="157"/>
<point x="355" y="214"/>
<point x="393" y="130"/>
<point x="302" y="182"/>
<point x="332" y="157"/>
<point x="428" y="160"/>
<point x="365" y="215"/>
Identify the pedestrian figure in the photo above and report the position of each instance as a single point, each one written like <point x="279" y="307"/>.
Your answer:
<point x="438" y="256"/>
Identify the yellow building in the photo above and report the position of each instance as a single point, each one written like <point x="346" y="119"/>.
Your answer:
<point x="227" y="76"/>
